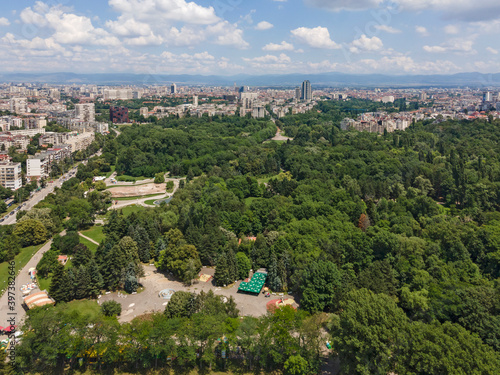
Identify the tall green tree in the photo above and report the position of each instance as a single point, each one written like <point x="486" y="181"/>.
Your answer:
<point x="321" y="286"/>
<point x="222" y="275"/>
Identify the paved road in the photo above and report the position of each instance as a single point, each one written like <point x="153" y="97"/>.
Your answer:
<point x="40" y="195"/>
<point x="21" y="279"/>
<point x="36" y="198"/>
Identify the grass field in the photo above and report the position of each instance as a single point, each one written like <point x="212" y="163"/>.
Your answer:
<point x="21" y="259"/>
<point x="44" y="284"/>
<point x="248" y="201"/>
<point x="84" y="307"/>
<point x="95" y="233"/>
<point x="92" y="246"/>
<point x="134" y="208"/>
<point x="151" y="202"/>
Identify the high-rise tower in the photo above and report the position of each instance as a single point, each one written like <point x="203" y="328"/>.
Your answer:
<point x="306" y="91"/>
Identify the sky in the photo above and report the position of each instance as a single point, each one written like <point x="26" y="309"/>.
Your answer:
<point x="226" y="37"/>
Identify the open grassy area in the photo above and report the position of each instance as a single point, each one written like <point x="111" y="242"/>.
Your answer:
<point x="151" y="202"/>
<point x="92" y="246"/>
<point x="138" y="197"/>
<point x="248" y="201"/>
<point x="85" y="307"/>
<point x="44" y="284"/>
<point x="95" y="233"/>
<point x="134" y="208"/>
<point x="21" y="259"/>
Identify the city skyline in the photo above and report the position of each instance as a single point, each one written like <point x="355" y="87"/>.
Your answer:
<point x="226" y="37"/>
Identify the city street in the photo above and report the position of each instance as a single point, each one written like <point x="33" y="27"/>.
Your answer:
<point x="36" y="198"/>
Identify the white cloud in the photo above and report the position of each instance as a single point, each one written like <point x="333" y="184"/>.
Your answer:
<point x="4" y="21"/>
<point x="318" y="37"/>
<point x="337" y="5"/>
<point x="422" y="30"/>
<point x="67" y="28"/>
<point x="271" y="63"/>
<point x="366" y="44"/>
<point x="457" y="45"/>
<point x="227" y="34"/>
<point x="492" y="50"/>
<point x="172" y="23"/>
<point x="435" y="49"/>
<point x="451" y="29"/>
<point x="170" y="10"/>
<point x="283" y="46"/>
<point x="387" y="29"/>
<point x="264" y="25"/>
<point x="269" y="59"/>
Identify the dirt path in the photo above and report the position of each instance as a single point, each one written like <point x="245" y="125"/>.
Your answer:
<point x="88" y="238"/>
<point x="279" y="137"/>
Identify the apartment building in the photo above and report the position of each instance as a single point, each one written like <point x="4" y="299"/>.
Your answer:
<point x="77" y="141"/>
<point x="10" y="175"/>
<point x="39" y="165"/>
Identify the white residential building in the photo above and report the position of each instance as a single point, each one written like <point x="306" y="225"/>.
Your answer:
<point x="85" y="112"/>
<point x="10" y="175"/>
<point x="19" y="105"/>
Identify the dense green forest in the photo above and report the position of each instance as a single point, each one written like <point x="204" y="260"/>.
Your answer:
<point x="395" y="237"/>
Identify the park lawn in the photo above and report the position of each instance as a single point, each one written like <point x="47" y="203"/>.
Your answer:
<point x="151" y="202"/>
<point x="275" y="140"/>
<point x="138" y="197"/>
<point x="44" y="284"/>
<point x="84" y="307"/>
<point x="21" y="259"/>
<point x="134" y="208"/>
<point x="248" y="201"/>
<point x="95" y="233"/>
<point x="92" y="246"/>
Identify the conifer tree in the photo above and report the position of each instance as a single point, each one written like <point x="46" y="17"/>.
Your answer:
<point x="158" y="248"/>
<point x="82" y="256"/>
<point x="55" y="290"/>
<point x="83" y="283"/>
<point x="273" y="278"/>
<point x="222" y="275"/>
<point x="130" y="283"/>
<point x="143" y="247"/>
<point x="232" y="266"/>
<point x="96" y="281"/>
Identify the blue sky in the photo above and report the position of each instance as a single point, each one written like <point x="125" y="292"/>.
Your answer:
<point x="250" y="36"/>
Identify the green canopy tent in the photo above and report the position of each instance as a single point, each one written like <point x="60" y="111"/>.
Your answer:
<point x="255" y="285"/>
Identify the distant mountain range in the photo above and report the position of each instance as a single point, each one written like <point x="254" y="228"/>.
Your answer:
<point x="270" y="80"/>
